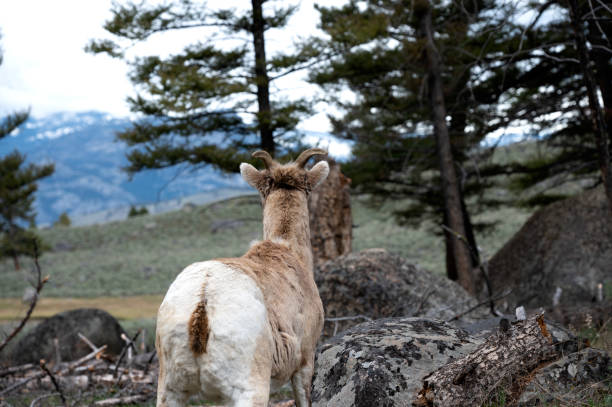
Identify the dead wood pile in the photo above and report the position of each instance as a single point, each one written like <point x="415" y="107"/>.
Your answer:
<point x="129" y="379"/>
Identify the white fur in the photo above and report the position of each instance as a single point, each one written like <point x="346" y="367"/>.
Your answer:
<point x="223" y="372"/>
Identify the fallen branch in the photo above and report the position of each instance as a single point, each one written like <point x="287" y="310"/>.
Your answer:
<point x="507" y="359"/>
<point x="87" y="341"/>
<point x="122" y="400"/>
<point x="129" y="343"/>
<point x="21" y="383"/>
<point x="87" y="357"/>
<point x="44" y="367"/>
<point x="16" y="369"/>
<point x="71" y="366"/>
<point x="44" y="396"/>
<point x="480" y="304"/>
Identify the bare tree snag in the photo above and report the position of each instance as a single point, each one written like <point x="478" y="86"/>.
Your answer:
<point x="331" y="223"/>
<point x="508" y="358"/>
<point x="450" y="183"/>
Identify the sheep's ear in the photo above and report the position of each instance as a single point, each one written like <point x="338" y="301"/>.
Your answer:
<point x="250" y="174"/>
<point x="318" y="173"/>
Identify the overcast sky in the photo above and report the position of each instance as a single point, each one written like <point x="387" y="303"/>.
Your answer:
<point x="45" y="67"/>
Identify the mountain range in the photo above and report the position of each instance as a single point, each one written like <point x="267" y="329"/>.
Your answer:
<point x="89" y="183"/>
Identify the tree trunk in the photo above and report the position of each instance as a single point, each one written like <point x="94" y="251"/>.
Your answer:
<point x="331" y="223"/>
<point x="450" y="185"/>
<point x="599" y="124"/>
<point x="16" y="262"/>
<point x="503" y="362"/>
<point x="601" y="58"/>
<point x="451" y="268"/>
<point x="264" y="116"/>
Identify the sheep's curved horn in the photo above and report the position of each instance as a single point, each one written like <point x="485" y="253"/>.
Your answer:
<point x="301" y="160"/>
<point x="266" y="158"/>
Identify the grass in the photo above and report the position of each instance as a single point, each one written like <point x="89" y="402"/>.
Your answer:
<point x="142" y="255"/>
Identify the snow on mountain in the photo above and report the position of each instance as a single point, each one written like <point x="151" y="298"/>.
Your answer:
<point x="88" y="162"/>
<point x="89" y="184"/>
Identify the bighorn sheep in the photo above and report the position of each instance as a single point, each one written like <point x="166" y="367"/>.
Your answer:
<point x="232" y="329"/>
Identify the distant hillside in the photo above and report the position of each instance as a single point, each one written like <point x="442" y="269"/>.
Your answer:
<point x="88" y="161"/>
<point x="88" y="182"/>
<point x="143" y="254"/>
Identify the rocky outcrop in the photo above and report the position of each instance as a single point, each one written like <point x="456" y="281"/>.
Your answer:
<point x="377" y="284"/>
<point x="568" y="245"/>
<point x="384" y="362"/>
<point x="97" y="325"/>
<point x="381" y="363"/>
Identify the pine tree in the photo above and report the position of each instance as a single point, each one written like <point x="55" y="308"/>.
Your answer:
<point x="544" y="86"/>
<point x="17" y="188"/>
<point x="193" y="104"/>
<point x="382" y="58"/>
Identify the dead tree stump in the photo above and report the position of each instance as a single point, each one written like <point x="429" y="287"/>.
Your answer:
<point x="507" y="359"/>
<point x="330" y="216"/>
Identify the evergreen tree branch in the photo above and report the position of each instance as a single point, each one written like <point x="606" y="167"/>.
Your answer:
<point x="13" y="121"/>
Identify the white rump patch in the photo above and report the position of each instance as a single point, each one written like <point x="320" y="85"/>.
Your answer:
<point x="237" y="318"/>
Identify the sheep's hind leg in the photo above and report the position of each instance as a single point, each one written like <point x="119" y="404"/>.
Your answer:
<point x="169" y="398"/>
<point x="301" y="382"/>
<point x="255" y="398"/>
<point x="257" y="392"/>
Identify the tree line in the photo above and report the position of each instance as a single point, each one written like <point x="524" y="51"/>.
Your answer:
<point x="430" y="83"/>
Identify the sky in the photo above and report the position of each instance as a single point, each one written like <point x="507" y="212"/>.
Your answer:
<point x="46" y="69"/>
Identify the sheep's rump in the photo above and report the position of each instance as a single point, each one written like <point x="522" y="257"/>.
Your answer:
<point x="209" y="325"/>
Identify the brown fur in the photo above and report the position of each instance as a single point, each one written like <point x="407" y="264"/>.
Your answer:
<point x="275" y="268"/>
<point x="198" y="329"/>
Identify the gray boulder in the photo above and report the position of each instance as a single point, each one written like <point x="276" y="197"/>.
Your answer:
<point x="567" y="244"/>
<point x="378" y="284"/>
<point x="97" y="325"/>
<point x="381" y="363"/>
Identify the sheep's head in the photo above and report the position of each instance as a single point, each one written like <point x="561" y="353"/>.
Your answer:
<point x="291" y="176"/>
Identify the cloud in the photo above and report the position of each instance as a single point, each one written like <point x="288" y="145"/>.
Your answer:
<point x="45" y="67"/>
